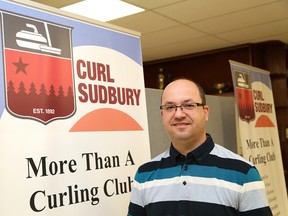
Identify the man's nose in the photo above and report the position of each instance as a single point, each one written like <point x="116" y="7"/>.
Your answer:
<point x="179" y="111"/>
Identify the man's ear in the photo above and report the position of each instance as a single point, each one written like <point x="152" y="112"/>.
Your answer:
<point x="206" y="110"/>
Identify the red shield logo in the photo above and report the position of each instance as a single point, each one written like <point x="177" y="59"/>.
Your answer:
<point x="38" y="69"/>
<point x="244" y="97"/>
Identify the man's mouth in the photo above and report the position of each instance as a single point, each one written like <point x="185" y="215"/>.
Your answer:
<point x="181" y="124"/>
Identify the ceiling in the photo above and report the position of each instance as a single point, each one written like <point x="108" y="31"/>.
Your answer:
<point x="172" y="28"/>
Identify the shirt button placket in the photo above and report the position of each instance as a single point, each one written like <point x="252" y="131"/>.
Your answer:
<point x="184" y="192"/>
<point x="185" y="168"/>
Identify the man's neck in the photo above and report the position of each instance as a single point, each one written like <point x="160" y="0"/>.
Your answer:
<point x="186" y="146"/>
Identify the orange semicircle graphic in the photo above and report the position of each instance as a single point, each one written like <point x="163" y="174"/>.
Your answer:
<point x="264" y="121"/>
<point x="106" y="119"/>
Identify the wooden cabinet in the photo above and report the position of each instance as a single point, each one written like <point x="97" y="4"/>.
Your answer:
<point x="212" y="67"/>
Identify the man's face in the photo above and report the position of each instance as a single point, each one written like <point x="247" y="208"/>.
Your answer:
<point x="184" y="125"/>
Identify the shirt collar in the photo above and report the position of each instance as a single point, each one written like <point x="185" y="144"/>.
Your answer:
<point x="198" y="154"/>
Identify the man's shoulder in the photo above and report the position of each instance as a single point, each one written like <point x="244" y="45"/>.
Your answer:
<point x="224" y="158"/>
<point x="223" y="152"/>
<point x="155" y="162"/>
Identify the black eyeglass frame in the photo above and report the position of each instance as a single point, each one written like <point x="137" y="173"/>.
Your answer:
<point x="175" y="107"/>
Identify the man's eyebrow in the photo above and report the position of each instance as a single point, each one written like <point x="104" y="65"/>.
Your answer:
<point x="188" y="100"/>
<point x="168" y="103"/>
<point x="185" y="101"/>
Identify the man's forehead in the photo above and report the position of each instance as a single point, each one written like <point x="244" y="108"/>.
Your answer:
<point x="180" y="93"/>
<point x="181" y="86"/>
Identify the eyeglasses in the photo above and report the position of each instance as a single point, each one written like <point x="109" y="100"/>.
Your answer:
<point x="184" y="107"/>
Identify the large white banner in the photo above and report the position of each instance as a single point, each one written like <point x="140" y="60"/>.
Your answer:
<point x="257" y="131"/>
<point x="73" y="122"/>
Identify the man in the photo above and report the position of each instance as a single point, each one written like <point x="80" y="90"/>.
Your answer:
<point x="195" y="177"/>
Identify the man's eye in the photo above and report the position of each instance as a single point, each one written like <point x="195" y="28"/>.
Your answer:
<point x="169" y="108"/>
<point x="188" y="106"/>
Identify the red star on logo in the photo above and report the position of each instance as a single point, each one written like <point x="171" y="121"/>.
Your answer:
<point x="20" y="66"/>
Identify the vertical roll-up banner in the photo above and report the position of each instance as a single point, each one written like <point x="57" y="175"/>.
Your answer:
<point x="257" y="130"/>
<point x="73" y="121"/>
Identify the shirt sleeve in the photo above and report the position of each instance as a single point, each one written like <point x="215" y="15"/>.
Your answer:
<point x="136" y="207"/>
<point x="253" y="200"/>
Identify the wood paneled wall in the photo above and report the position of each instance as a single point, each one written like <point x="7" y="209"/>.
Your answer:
<point x="205" y="68"/>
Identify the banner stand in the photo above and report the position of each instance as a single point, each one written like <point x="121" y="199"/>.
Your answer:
<point x="257" y="130"/>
